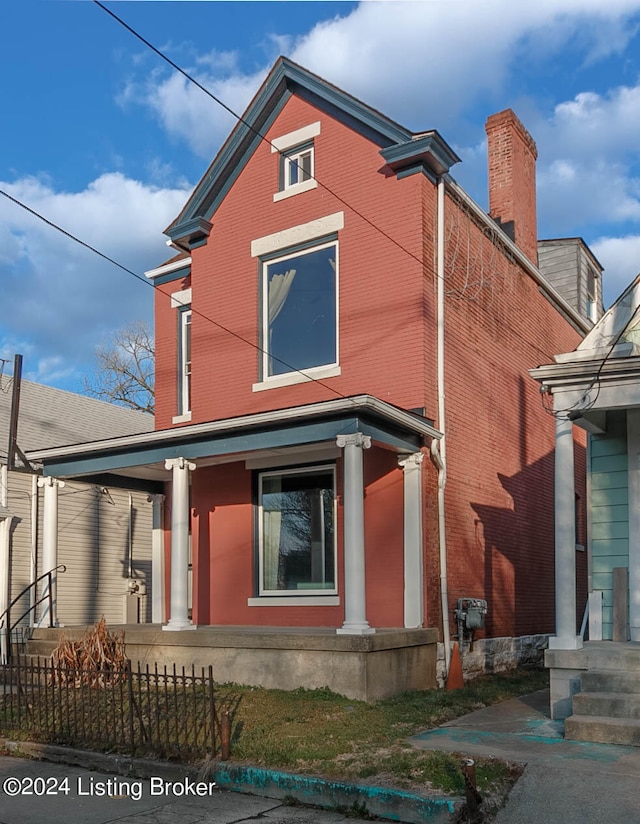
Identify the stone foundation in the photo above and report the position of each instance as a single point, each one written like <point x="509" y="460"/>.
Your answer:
<point x="489" y="655"/>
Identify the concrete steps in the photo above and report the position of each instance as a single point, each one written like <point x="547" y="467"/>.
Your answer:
<point x="607" y="709"/>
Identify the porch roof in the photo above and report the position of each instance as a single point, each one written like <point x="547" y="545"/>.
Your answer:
<point x="143" y="456"/>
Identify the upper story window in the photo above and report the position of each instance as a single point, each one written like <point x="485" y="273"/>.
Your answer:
<point x="297" y="166"/>
<point x="299" y="302"/>
<point x="297" y="161"/>
<point x="299" y="312"/>
<point x="184" y="359"/>
<point x="182" y="302"/>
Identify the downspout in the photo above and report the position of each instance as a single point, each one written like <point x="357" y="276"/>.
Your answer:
<point x="439" y="448"/>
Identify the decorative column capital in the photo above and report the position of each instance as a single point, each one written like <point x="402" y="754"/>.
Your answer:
<point x="48" y="480"/>
<point x="156" y="498"/>
<point x="179" y="463"/>
<point x="355" y="439"/>
<point x="411" y="461"/>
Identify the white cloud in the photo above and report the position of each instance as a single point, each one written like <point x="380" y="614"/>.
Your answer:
<point x="414" y="61"/>
<point x="186" y="112"/>
<point x="64" y="294"/>
<point x="621" y="258"/>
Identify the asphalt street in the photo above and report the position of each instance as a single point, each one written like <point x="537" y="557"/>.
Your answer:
<point x="38" y="792"/>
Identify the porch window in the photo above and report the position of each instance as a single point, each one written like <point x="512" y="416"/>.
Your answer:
<point x="300" y="310"/>
<point x="297" y="545"/>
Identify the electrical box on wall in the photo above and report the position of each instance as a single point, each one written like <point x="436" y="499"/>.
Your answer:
<point x="470" y="613"/>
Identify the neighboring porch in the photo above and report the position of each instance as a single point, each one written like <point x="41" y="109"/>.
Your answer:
<point x="362" y="667"/>
<point x="596" y="690"/>
<point x="597" y="388"/>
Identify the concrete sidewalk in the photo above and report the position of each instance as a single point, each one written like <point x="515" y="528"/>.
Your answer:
<point x="564" y="782"/>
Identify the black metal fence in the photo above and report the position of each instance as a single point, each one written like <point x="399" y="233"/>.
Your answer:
<point x="163" y="713"/>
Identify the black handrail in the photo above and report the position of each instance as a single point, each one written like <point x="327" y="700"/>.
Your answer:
<point x="5" y="618"/>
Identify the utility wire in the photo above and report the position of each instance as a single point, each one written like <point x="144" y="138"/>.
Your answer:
<point x="144" y="280"/>
<point x="322" y="185"/>
<point x="253" y="129"/>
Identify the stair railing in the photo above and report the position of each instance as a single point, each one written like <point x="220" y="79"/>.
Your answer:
<point x="6" y="627"/>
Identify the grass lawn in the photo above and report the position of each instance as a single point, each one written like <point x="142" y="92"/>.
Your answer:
<point x="321" y="733"/>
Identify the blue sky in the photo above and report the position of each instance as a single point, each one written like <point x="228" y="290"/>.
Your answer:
<point x="100" y="136"/>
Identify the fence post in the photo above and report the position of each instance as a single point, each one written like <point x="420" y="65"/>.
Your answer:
<point x="132" y="731"/>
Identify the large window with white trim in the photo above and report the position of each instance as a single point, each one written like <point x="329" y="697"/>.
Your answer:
<point x="297" y="541"/>
<point x="300" y="310"/>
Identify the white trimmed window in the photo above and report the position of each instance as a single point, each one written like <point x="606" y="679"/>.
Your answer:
<point x="297" y="540"/>
<point x="300" y="311"/>
<point x="184" y="361"/>
<point x="297" y="161"/>
<point x="297" y="166"/>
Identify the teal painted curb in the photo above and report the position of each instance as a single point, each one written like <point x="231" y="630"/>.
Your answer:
<point x="395" y="805"/>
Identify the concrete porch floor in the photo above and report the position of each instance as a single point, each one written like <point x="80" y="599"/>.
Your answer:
<point x="362" y="667"/>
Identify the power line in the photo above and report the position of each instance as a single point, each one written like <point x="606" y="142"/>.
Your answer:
<point x="144" y="280"/>
<point x="252" y="128"/>
<point x="322" y="185"/>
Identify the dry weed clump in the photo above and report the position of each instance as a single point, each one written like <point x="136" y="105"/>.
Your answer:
<point x="97" y="659"/>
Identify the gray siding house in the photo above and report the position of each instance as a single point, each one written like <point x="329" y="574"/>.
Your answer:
<point x="104" y="531"/>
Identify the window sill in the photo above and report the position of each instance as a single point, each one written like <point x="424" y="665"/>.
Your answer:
<point x="181" y="418"/>
<point x="297" y="189"/>
<point x="315" y="373"/>
<point x="294" y="601"/>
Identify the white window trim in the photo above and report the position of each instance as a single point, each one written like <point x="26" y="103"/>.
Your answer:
<point x="313" y="230"/>
<point x="295" y="601"/>
<point x="285" y="595"/>
<point x="305" y="186"/>
<point x="291" y="139"/>
<point x="323" y="370"/>
<point x="181" y="418"/>
<point x="314" y="373"/>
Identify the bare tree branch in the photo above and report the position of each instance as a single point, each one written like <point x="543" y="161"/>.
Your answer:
<point x="125" y="365"/>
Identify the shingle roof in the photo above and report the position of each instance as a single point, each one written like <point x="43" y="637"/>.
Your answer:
<point x="52" y="417"/>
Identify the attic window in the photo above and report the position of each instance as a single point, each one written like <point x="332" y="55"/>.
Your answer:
<point x="297" y="156"/>
<point x="297" y="166"/>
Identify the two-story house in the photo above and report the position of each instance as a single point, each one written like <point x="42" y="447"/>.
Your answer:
<point x="345" y="424"/>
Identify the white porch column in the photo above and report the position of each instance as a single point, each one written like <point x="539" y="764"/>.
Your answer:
<point x="178" y="608"/>
<point x="355" y="611"/>
<point x="157" y="560"/>
<point x="565" y="535"/>
<point x="50" y="550"/>
<point x="413" y="567"/>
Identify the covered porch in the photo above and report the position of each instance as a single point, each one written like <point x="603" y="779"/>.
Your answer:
<point x="333" y="595"/>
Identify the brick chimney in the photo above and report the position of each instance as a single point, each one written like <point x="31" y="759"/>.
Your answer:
<point x="512" y="180"/>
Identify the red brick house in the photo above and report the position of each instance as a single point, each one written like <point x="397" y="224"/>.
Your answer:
<point x="343" y="403"/>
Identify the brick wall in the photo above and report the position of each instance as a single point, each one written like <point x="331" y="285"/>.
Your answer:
<point x="500" y="441"/>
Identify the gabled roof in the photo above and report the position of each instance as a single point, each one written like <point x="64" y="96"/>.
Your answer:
<point x="286" y="78"/>
<point x="619" y="328"/>
<point x="50" y="417"/>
